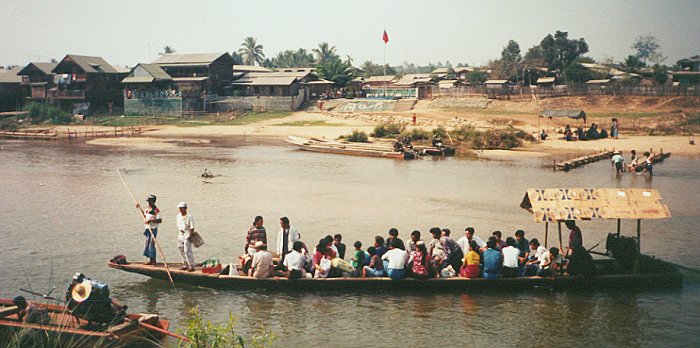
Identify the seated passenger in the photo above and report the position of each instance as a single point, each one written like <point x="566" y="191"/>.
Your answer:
<point x="493" y="259"/>
<point x="580" y="262"/>
<point x="438" y="250"/>
<point x="500" y="243"/>
<point x="262" y="261"/>
<point x="358" y="259"/>
<point x="323" y="268"/>
<point x="419" y="261"/>
<point x="510" y="259"/>
<point x="294" y="262"/>
<point x="380" y="246"/>
<point x="394" y="236"/>
<point x="397" y="259"/>
<point x="523" y="245"/>
<point x="376" y="266"/>
<point x="456" y="253"/>
<point x="533" y="265"/>
<point x="471" y="267"/>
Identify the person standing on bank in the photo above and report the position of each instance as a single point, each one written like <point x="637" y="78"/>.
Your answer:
<point x="151" y="218"/>
<point x="185" y="224"/>
<point x="286" y="237"/>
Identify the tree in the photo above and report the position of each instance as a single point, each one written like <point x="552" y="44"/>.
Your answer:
<point x="289" y="59"/>
<point x="646" y="46"/>
<point x="325" y="52"/>
<point x="251" y="52"/>
<point x="476" y="77"/>
<point x="167" y="50"/>
<point x="632" y="64"/>
<point x="559" y="52"/>
<point x="336" y="70"/>
<point x="511" y="59"/>
<point x="659" y="74"/>
<point x="237" y="59"/>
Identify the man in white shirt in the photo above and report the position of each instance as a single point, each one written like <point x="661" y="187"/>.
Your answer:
<point x="397" y="261"/>
<point x="468" y="236"/>
<point x="510" y="259"/>
<point x="185" y="224"/>
<point x="294" y="262"/>
<point x="286" y="237"/>
<point x="262" y="261"/>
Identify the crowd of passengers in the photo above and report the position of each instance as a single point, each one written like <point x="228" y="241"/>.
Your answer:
<point x="439" y="257"/>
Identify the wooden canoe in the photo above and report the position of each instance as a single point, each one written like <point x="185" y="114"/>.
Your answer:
<point x="71" y="332"/>
<point x="345" y="148"/>
<point x="659" y="274"/>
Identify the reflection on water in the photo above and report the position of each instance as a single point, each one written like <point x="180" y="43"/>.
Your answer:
<point x="67" y="211"/>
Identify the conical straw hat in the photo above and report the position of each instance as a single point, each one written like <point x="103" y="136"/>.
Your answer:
<point x="81" y="291"/>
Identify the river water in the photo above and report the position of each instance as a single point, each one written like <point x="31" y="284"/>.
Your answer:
<point x="65" y="210"/>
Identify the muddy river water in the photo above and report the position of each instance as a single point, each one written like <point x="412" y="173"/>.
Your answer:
<point x="65" y="210"/>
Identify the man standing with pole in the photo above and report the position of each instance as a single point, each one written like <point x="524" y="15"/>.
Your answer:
<point x="151" y="217"/>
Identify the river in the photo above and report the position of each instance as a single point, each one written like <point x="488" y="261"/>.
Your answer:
<point x="65" y="211"/>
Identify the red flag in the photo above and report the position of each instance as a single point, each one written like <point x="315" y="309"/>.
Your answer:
<point x="385" y="37"/>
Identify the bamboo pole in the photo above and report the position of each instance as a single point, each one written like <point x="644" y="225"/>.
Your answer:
<point x="160" y="251"/>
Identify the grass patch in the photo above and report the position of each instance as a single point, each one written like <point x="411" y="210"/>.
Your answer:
<point x="356" y="137"/>
<point x="255" y="117"/>
<point x="500" y="112"/>
<point x="389" y="130"/>
<point x="317" y="123"/>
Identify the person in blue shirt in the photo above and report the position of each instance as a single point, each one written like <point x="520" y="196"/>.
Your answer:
<point x="493" y="260"/>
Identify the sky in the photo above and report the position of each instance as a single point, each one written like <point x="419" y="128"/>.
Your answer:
<point x="129" y="32"/>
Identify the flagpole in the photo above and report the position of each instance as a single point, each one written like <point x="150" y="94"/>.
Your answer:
<point x="384" y="69"/>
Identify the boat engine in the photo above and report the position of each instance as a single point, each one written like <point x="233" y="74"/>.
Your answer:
<point x="89" y="300"/>
<point x="623" y="249"/>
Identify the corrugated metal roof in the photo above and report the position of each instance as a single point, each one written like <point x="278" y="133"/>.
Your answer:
<point x="597" y="82"/>
<point x="88" y="64"/>
<point x="10" y="76"/>
<point x="380" y="78"/>
<point x="496" y="82"/>
<point x="43" y="67"/>
<point x="138" y="79"/>
<point x="298" y="74"/>
<point x="571" y="113"/>
<point x="265" y="81"/>
<point x="188" y="59"/>
<point x="545" y="80"/>
<point x="156" y="71"/>
<point x="185" y="79"/>
<point x="250" y="68"/>
<point x="441" y="71"/>
<point x="558" y="204"/>
<point x="320" y="82"/>
<point x="460" y="69"/>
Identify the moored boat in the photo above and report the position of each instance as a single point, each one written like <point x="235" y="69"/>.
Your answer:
<point x="59" y="325"/>
<point x="356" y="149"/>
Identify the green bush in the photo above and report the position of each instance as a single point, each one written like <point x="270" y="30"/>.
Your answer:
<point x="202" y="333"/>
<point x="390" y="130"/>
<point x="40" y="112"/>
<point x="440" y="132"/>
<point x="356" y="137"/>
<point x="466" y="133"/>
<point x="8" y="125"/>
<point x="491" y="140"/>
<point x="416" y="134"/>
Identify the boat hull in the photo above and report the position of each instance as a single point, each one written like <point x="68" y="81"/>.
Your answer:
<point x="667" y="280"/>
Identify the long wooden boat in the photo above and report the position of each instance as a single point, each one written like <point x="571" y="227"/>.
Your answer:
<point x="70" y="331"/>
<point x="348" y="148"/>
<point x="652" y="274"/>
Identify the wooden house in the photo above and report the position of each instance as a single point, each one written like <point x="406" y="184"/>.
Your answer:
<point x="10" y="90"/>
<point x="213" y="70"/>
<point x="37" y="80"/>
<point x="689" y="73"/>
<point x="149" y="90"/>
<point x="87" y="85"/>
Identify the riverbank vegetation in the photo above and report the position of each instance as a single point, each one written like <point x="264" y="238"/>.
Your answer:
<point x="205" y="334"/>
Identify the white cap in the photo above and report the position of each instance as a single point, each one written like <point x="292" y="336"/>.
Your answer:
<point x="182" y="205"/>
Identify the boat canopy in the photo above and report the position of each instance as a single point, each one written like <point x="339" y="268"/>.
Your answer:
<point x="559" y="204"/>
<point x="575" y="113"/>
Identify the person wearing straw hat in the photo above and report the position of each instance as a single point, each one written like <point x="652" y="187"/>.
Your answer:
<point x="151" y="217"/>
<point x="185" y="224"/>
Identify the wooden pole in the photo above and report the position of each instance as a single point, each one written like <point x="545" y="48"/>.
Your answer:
<point x="618" y="228"/>
<point x="546" y="233"/>
<point x="160" y="251"/>
<point x="559" y="225"/>
<point x="639" y="235"/>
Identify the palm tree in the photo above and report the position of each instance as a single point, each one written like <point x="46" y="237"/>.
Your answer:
<point x="251" y="52"/>
<point x="324" y="52"/>
<point x="336" y="70"/>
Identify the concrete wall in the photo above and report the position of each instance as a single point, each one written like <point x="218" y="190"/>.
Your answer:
<point x="259" y="103"/>
<point x="366" y="106"/>
<point x="153" y="107"/>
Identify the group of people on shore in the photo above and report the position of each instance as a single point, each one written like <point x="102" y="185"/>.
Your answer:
<point x="440" y="257"/>
<point x="594" y="132"/>
<point x="635" y="165"/>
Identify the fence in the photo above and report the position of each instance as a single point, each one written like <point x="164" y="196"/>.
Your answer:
<point x="527" y="92"/>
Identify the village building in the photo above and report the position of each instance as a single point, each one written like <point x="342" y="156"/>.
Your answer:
<point x="37" y="80"/>
<point x="689" y="73"/>
<point x="87" y="85"/>
<point x="209" y="71"/>
<point x="497" y="88"/>
<point x="149" y="90"/>
<point x="10" y="90"/>
<point x="462" y="72"/>
<point x="240" y="70"/>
